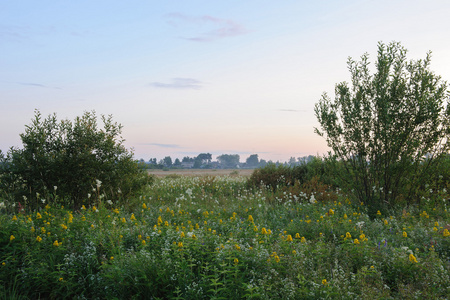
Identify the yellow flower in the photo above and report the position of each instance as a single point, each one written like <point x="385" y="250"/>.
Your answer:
<point x="12" y="237"/>
<point x="123" y="220"/>
<point x="32" y="229"/>
<point x="289" y="238"/>
<point x="143" y="242"/>
<point x="111" y="258"/>
<point x="144" y="206"/>
<point x="356" y="242"/>
<point x="94" y="208"/>
<point x="379" y="213"/>
<point x="133" y="218"/>
<point x="435" y="229"/>
<point x="14" y="218"/>
<point x="264" y="231"/>
<point x="250" y="218"/>
<point x="55" y="243"/>
<point x="324" y="282"/>
<point x="116" y="210"/>
<point x="61" y="279"/>
<point x="345" y="216"/>
<point x="159" y="221"/>
<point x="303" y="240"/>
<point x="297" y="235"/>
<point x="38" y="216"/>
<point x="38" y="239"/>
<point x="331" y="212"/>
<point x="237" y="247"/>
<point x="436" y="224"/>
<point x="83" y="207"/>
<point x="236" y="261"/>
<point x="277" y="259"/>
<point x="180" y="244"/>
<point x="405" y="234"/>
<point x="348" y="235"/>
<point x="182" y="234"/>
<point x="385" y="222"/>
<point x="446" y="232"/>
<point x="294" y="252"/>
<point x="412" y="258"/>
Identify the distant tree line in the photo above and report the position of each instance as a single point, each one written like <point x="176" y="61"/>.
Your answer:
<point x="224" y="161"/>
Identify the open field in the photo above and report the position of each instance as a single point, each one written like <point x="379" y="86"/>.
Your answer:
<point x="202" y="172"/>
<point x="203" y="237"/>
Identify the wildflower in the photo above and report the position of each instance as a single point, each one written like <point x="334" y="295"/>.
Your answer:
<point x="14" y="218"/>
<point x="345" y="216"/>
<point x="144" y="206"/>
<point x="379" y="213"/>
<point x="83" y="207"/>
<point x="250" y="218"/>
<point x="94" y="208"/>
<point x="348" y="235"/>
<point x="435" y="229"/>
<point x="372" y="267"/>
<point x="331" y="212"/>
<point x="412" y="258"/>
<point x="116" y="211"/>
<point x="111" y="258"/>
<point x="64" y="226"/>
<point x="143" y="242"/>
<point x="356" y="242"/>
<point x="61" y="279"/>
<point x="55" y="243"/>
<point x="436" y="224"/>
<point x="123" y="220"/>
<point x="277" y="259"/>
<point x="109" y="202"/>
<point x="294" y="252"/>
<point x="92" y="226"/>
<point x="32" y="229"/>
<point x="133" y="218"/>
<point x="405" y="234"/>
<point x="385" y="222"/>
<point x="182" y="234"/>
<point x="324" y="282"/>
<point x="446" y="232"/>
<point x="237" y="247"/>
<point x="264" y="231"/>
<point x="297" y="235"/>
<point x="38" y="216"/>
<point x="159" y="221"/>
<point x="12" y="237"/>
<point x="236" y="261"/>
<point x="180" y="244"/>
<point x="303" y="240"/>
<point x="289" y="238"/>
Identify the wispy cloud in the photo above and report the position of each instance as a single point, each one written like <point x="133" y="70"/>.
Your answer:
<point x="164" y="145"/>
<point x="37" y="85"/>
<point x="178" y="83"/>
<point x="292" y="110"/>
<point x="219" y="28"/>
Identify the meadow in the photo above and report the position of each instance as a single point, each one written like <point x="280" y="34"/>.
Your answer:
<point x="214" y="237"/>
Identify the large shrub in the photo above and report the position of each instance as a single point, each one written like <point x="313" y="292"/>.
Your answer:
<point x="73" y="163"/>
<point x="388" y="128"/>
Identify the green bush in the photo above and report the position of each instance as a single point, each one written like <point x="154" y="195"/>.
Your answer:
<point x="70" y="163"/>
<point x="388" y="128"/>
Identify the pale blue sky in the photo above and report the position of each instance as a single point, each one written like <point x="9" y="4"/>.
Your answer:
<point x="186" y="77"/>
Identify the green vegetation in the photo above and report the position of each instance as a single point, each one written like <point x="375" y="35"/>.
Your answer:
<point x="213" y="238"/>
<point x="388" y="129"/>
<point x="65" y="162"/>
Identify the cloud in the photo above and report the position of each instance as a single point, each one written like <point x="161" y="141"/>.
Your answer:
<point x="178" y="83"/>
<point x="292" y="110"/>
<point x="37" y="85"/>
<point x="164" y="145"/>
<point x="220" y="28"/>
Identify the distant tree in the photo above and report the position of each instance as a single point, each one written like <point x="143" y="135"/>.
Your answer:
<point x="292" y="161"/>
<point x="386" y="125"/>
<point x="205" y="158"/>
<point x="252" y="160"/>
<point x="229" y="160"/>
<point x="177" y="162"/>
<point x="262" y="163"/>
<point x="153" y="161"/>
<point x="187" y="159"/>
<point x="167" y="161"/>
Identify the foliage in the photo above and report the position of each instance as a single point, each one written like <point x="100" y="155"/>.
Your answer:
<point x="65" y="162"/>
<point x="229" y="160"/>
<point x="388" y="128"/>
<point x="212" y="238"/>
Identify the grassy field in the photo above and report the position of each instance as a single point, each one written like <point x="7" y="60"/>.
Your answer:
<point x="212" y="237"/>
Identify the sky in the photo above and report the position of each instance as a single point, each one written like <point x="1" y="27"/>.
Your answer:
<point x="188" y="77"/>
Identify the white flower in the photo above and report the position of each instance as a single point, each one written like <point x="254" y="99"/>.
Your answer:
<point x="189" y="192"/>
<point x="99" y="183"/>
<point x="312" y="199"/>
<point x="43" y="201"/>
<point x="89" y="195"/>
<point x="55" y="187"/>
<point x="2" y="204"/>
<point x="109" y="202"/>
